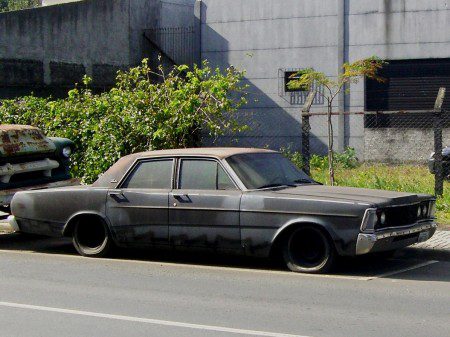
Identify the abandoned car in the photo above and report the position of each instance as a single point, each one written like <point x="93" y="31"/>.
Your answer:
<point x="30" y="160"/>
<point x="251" y="201"/>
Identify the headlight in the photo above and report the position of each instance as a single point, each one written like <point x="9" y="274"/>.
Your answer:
<point x="67" y="151"/>
<point x="424" y="211"/>
<point x="419" y="212"/>
<point x="383" y="218"/>
<point x="432" y="209"/>
<point x="369" y="221"/>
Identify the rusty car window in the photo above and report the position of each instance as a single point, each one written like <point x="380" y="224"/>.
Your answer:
<point x="156" y="174"/>
<point x="203" y="175"/>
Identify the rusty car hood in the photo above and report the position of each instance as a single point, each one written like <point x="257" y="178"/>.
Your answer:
<point x="351" y="194"/>
<point x="17" y="140"/>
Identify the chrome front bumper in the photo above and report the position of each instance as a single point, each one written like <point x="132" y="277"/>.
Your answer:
<point x="394" y="238"/>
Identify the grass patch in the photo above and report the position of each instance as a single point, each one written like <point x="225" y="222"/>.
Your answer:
<point x="402" y="178"/>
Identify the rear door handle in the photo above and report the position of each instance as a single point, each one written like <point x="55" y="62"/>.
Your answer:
<point x="116" y="194"/>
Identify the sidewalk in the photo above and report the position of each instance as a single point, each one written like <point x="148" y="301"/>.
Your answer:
<point x="439" y="241"/>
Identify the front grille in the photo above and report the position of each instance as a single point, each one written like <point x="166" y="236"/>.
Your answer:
<point x="399" y="216"/>
<point x="406" y="237"/>
<point x="26" y="179"/>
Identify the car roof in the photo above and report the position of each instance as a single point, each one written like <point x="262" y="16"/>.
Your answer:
<point x="218" y="152"/>
<point x="117" y="171"/>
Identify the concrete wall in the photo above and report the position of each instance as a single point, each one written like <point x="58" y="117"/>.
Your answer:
<point x="82" y="37"/>
<point x="393" y="30"/>
<point x="48" y="49"/>
<point x="263" y="36"/>
<point x="392" y="145"/>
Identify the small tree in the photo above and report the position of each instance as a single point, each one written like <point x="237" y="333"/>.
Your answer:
<point x="309" y="79"/>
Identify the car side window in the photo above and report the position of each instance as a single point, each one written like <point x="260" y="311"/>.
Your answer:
<point x="155" y="174"/>
<point x="201" y="174"/>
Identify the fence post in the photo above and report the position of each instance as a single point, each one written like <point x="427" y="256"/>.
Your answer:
<point x="439" y="174"/>
<point x="306" y="128"/>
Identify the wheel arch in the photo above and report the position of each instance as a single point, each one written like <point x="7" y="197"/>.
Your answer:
<point x="282" y="233"/>
<point x="70" y="224"/>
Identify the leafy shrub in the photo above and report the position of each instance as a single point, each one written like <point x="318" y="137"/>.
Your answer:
<point x="346" y="159"/>
<point x="294" y="156"/>
<point x="139" y="113"/>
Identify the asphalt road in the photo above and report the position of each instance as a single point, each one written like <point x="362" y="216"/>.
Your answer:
<point x="47" y="290"/>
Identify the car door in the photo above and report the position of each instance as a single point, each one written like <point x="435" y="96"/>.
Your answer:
<point x="204" y="207"/>
<point x="138" y="209"/>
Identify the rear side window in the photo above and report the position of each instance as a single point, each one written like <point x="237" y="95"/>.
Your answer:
<point x="155" y="174"/>
<point x="200" y="174"/>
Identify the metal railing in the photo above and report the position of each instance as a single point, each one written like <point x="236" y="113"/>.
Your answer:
<point x="177" y="44"/>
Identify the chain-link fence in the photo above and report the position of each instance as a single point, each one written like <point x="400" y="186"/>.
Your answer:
<point x="389" y="137"/>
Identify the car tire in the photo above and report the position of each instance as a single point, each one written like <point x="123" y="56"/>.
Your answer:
<point x="309" y="249"/>
<point x="92" y="238"/>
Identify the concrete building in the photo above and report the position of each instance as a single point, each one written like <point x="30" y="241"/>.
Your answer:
<point x="270" y="39"/>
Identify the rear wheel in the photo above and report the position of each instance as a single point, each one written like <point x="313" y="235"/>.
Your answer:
<point x="309" y="250"/>
<point x="91" y="238"/>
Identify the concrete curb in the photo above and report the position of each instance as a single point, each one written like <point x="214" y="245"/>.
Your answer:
<point x="5" y="228"/>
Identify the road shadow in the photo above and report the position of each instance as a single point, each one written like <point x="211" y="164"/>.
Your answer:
<point x="406" y="264"/>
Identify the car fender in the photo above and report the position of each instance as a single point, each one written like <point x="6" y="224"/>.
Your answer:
<point x="311" y="220"/>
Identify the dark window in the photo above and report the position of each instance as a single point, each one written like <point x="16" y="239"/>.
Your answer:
<point x="289" y="76"/>
<point x="408" y="85"/>
<point x="156" y="174"/>
<point x="203" y="175"/>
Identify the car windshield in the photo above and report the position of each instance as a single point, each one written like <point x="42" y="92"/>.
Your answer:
<point x="264" y="170"/>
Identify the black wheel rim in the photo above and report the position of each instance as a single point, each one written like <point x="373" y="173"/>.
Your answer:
<point x="91" y="237"/>
<point x="308" y="248"/>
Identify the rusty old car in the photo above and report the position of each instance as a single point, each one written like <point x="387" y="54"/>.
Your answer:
<point x="251" y="201"/>
<point x="30" y="160"/>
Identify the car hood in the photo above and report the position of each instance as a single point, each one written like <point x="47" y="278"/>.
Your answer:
<point x="18" y="140"/>
<point x="349" y="194"/>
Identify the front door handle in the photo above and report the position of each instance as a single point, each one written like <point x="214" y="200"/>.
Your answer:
<point x="118" y="196"/>
<point x="182" y="197"/>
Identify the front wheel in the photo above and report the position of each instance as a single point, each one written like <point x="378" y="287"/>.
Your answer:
<point x="309" y="250"/>
<point x="91" y="238"/>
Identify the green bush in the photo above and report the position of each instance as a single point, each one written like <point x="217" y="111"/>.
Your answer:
<point x="144" y="110"/>
<point x="346" y="159"/>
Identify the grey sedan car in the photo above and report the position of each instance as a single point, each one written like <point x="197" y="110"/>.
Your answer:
<point x="251" y="201"/>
